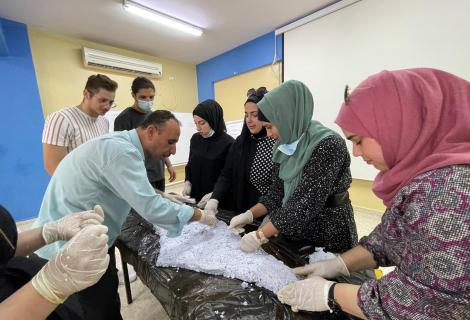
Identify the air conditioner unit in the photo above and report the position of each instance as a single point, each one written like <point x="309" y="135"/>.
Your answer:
<point x="116" y="62"/>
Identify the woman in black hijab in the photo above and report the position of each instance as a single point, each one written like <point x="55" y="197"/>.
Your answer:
<point x="247" y="172"/>
<point x="207" y="150"/>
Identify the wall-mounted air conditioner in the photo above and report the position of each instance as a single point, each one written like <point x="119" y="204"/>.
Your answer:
<point x="116" y="62"/>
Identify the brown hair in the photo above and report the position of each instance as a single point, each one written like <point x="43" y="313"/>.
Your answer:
<point x="100" y="81"/>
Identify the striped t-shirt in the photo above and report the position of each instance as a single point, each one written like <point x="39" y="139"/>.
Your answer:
<point x="70" y="127"/>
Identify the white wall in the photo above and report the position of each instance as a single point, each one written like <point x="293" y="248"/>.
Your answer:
<point x="347" y="46"/>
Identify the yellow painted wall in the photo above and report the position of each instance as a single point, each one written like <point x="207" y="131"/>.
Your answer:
<point x="362" y="196"/>
<point x="231" y="92"/>
<point x="61" y="75"/>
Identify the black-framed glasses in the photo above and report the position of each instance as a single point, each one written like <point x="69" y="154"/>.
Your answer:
<point x="347" y="93"/>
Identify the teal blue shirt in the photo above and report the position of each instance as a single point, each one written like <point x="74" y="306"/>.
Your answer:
<point x="108" y="171"/>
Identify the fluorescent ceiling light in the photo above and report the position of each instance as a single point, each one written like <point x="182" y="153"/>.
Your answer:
<point x="161" y="18"/>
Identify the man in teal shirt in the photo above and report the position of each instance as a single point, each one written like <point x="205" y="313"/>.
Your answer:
<point x="110" y="171"/>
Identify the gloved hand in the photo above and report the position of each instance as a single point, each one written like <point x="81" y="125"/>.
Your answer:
<point x="187" y="189"/>
<point x="329" y="269"/>
<point x="250" y="242"/>
<point x="66" y="227"/>
<point x="204" y="200"/>
<point x="80" y="264"/>
<point x="211" y="206"/>
<point x="238" y="222"/>
<point x="310" y="294"/>
<point x="176" y="198"/>
<point x="207" y="218"/>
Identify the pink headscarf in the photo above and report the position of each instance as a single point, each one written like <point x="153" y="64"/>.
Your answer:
<point x="420" y="117"/>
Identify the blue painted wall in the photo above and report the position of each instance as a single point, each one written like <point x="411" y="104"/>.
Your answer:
<point x="3" y="43"/>
<point x="23" y="180"/>
<point x="251" y="55"/>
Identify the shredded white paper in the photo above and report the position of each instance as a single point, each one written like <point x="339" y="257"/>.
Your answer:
<point x="320" y="255"/>
<point x="217" y="251"/>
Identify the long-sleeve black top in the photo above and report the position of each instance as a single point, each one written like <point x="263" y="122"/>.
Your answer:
<point x="238" y="184"/>
<point x="206" y="160"/>
<point x="305" y="215"/>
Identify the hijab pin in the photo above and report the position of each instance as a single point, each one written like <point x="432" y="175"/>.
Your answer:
<point x="347" y="93"/>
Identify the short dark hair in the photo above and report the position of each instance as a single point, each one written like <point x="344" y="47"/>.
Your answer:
<point x="158" y="119"/>
<point x="100" y="81"/>
<point x="141" y="83"/>
<point x="256" y="95"/>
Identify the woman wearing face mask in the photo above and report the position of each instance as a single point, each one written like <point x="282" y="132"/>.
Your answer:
<point x="28" y="291"/>
<point x="412" y="125"/>
<point x="143" y="92"/>
<point x="207" y="150"/>
<point x="248" y="168"/>
<point x="308" y="202"/>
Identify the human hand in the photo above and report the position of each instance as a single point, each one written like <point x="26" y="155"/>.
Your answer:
<point x="80" y="264"/>
<point x="211" y="206"/>
<point x="204" y="200"/>
<point x="187" y="188"/>
<point x="66" y="227"/>
<point x="171" y="172"/>
<point x="310" y="294"/>
<point x="250" y="241"/>
<point x="208" y="219"/>
<point x="238" y="222"/>
<point x="329" y="269"/>
<point x="176" y="198"/>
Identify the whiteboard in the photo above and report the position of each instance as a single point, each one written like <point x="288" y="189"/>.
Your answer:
<point x="188" y="128"/>
<point x="111" y="115"/>
<point x="347" y="46"/>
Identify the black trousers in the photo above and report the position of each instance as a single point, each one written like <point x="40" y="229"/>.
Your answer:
<point x="159" y="184"/>
<point x="101" y="301"/>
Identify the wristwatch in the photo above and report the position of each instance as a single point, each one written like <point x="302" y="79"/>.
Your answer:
<point x="332" y="304"/>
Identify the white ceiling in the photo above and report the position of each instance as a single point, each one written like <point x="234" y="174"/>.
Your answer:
<point x="227" y="23"/>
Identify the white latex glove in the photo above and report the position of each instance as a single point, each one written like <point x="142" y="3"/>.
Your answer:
<point x="201" y="204"/>
<point x="238" y="222"/>
<point x="80" y="264"/>
<point x="211" y="206"/>
<point x="66" y="227"/>
<point x="329" y="269"/>
<point x="250" y="242"/>
<point x="207" y="218"/>
<point x="187" y="189"/>
<point x="179" y="199"/>
<point x="310" y="294"/>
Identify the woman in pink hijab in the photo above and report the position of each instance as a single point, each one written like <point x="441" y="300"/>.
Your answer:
<point x="414" y="126"/>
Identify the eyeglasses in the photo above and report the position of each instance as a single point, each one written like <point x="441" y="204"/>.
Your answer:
<point x="103" y="100"/>
<point x="347" y="93"/>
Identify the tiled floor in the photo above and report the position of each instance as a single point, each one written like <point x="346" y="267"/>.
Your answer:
<point x="146" y="307"/>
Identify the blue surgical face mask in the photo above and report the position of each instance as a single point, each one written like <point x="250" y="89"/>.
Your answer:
<point x="210" y="134"/>
<point x="145" y="105"/>
<point x="289" y="148"/>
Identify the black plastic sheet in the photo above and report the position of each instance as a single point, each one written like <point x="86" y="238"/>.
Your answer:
<point x="187" y="295"/>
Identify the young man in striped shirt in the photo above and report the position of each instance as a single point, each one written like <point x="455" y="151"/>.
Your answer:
<point x="66" y="129"/>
